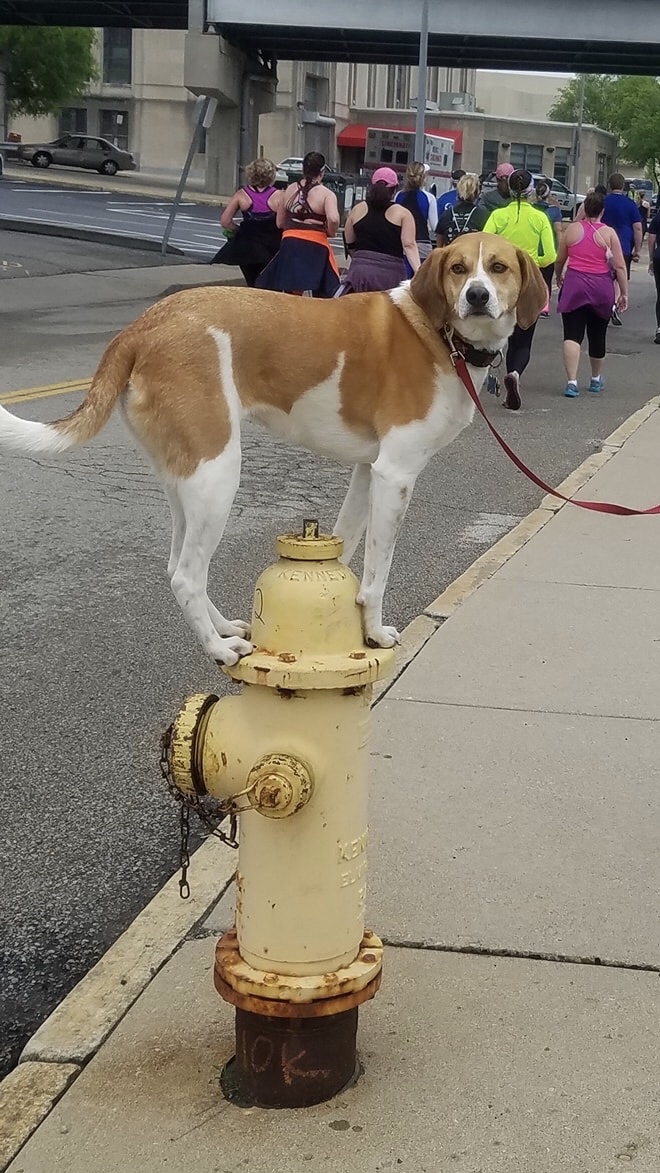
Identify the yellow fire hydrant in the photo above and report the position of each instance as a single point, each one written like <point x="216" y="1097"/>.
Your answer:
<point x="290" y="754"/>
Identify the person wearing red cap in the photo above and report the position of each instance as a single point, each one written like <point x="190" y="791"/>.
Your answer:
<point x="378" y="234"/>
<point x="499" y="196"/>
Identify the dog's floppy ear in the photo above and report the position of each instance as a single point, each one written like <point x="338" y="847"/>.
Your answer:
<point x="533" y="291"/>
<point x="428" y="288"/>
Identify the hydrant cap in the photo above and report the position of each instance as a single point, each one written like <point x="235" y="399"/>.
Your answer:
<point x="306" y="623"/>
<point x="309" y="549"/>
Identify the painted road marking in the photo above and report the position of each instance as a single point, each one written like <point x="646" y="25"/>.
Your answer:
<point x="26" y="393"/>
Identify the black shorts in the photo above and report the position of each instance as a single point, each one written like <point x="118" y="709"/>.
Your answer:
<point x="584" y="320"/>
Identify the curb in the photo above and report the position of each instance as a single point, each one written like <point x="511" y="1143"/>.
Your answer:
<point x="27" y="1095"/>
<point x="56" y="1053"/>
<point x="39" y="228"/>
<point x="58" y="1050"/>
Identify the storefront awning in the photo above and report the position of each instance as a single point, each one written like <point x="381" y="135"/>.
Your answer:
<point x="355" y="134"/>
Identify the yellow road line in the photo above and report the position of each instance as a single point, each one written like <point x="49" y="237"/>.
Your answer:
<point x="26" y="393"/>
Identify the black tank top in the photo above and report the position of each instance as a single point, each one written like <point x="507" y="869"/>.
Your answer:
<point x="379" y="235"/>
<point x="414" y="201"/>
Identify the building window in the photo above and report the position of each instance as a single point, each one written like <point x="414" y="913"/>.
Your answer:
<point x="562" y="164"/>
<point x="352" y="84"/>
<point x="527" y="155"/>
<point x="114" y="127"/>
<point x="371" y="85"/>
<point x="489" y="157"/>
<point x="402" y="95"/>
<point x="73" y="120"/>
<point x="390" y="86"/>
<point x="117" y="54"/>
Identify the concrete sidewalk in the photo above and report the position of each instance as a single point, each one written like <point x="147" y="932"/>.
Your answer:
<point x="147" y="183"/>
<point x="514" y="873"/>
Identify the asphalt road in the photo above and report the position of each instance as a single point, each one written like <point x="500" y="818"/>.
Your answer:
<point x="196" y="228"/>
<point x="95" y="657"/>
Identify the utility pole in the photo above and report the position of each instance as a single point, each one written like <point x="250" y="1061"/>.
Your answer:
<point x="421" y="83"/>
<point x="4" y="65"/>
<point x="578" y="134"/>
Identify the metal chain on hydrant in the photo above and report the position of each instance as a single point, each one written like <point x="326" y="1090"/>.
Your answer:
<point x="208" y="810"/>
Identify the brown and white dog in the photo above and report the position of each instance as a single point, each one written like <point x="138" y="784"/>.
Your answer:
<point x="365" y="379"/>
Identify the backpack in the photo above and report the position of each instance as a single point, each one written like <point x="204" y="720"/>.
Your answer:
<point x="460" y="224"/>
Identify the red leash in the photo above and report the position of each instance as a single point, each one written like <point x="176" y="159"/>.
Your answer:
<point x="598" y="506"/>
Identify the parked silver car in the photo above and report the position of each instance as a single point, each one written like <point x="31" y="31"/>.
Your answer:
<point x="78" y="150"/>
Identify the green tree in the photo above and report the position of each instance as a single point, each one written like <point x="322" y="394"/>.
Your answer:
<point x="46" y="68"/>
<point x="637" y="122"/>
<point x="599" y="91"/>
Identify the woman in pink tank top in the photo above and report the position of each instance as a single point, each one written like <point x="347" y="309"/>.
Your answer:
<point x="257" y="239"/>
<point x="588" y="261"/>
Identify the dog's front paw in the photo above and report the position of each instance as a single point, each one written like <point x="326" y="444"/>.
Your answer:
<point x="237" y="627"/>
<point x="382" y="637"/>
<point x="228" y="627"/>
<point x="231" y="651"/>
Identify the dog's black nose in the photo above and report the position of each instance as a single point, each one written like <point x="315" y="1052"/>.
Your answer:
<point x="477" y="296"/>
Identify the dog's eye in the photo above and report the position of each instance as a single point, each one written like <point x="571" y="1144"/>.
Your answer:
<point x="458" y="268"/>
<point x="498" y="267"/>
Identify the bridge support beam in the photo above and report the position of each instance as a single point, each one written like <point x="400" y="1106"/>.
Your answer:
<point x="244" y="89"/>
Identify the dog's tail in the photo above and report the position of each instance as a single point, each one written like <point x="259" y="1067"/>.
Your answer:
<point x="110" y="380"/>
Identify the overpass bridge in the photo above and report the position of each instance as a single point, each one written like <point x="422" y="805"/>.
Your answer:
<point x="593" y="36"/>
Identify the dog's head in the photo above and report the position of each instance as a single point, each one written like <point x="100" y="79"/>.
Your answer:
<point x="480" y="286"/>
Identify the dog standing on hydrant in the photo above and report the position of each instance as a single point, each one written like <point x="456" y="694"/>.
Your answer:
<point x="366" y="380"/>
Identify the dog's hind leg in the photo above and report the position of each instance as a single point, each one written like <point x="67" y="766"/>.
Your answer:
<point x="178" y="527"/>
<point x="224" y="627"/>
<point x="352" y="520"/>
<point x="205" y="499"/>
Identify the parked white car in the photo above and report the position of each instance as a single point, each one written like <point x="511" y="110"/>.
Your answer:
<point x="568" y="201"/>
<point x="292" y="166"/>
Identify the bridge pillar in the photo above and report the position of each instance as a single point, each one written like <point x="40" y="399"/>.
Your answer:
<point x="244" y="89"/>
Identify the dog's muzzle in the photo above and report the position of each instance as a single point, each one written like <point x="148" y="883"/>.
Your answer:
<point x="479" y="299"/>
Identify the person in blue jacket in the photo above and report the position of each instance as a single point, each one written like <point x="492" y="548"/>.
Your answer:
<point x="448" y="199"/>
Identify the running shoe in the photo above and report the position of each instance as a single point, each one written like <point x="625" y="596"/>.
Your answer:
<point x="596" y="385"/>
<point x="615" y="319"/>
<point x="512" y="388"/>
<point x="572" y="390"/>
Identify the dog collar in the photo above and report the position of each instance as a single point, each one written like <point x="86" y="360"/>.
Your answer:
<point x="461" y="348"/>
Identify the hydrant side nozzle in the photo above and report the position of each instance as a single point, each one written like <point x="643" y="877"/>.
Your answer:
<point x="279" y="785"/>
<point x="186" y="741"/>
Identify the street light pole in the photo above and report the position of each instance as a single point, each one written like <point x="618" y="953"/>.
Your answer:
<point x="421" y="83"/>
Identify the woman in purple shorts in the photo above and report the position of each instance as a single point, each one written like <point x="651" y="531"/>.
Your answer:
<point x="257" y="239"/>
<point x="589" y="260"/>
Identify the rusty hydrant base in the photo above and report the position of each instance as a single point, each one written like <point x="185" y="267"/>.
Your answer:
<point x="291" y="1063"/>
